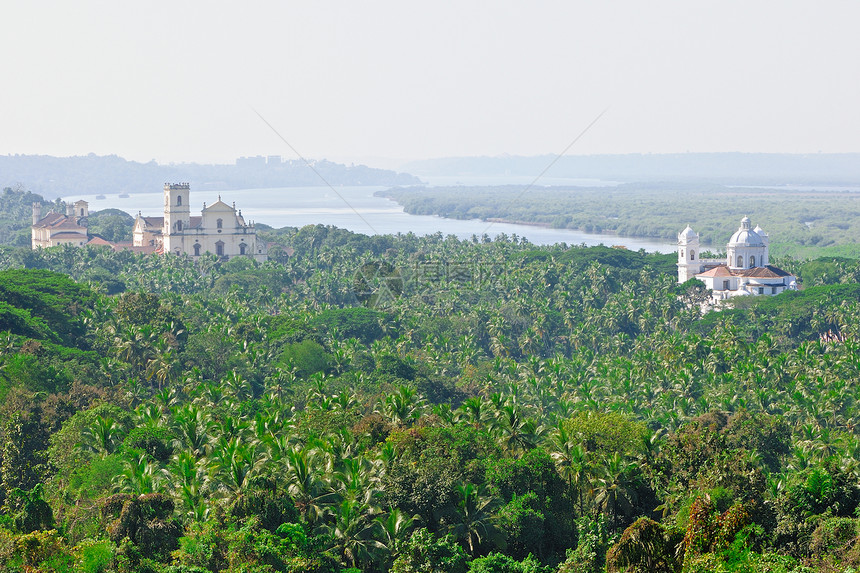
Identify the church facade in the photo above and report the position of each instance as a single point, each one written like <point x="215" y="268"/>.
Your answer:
<point x="746" y="270"/>
<point x="219" y="229"/>
<point x="56" y="229"/>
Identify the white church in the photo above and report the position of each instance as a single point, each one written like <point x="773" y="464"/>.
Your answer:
<point x="220" y="229"/>
<point x="746" y="270"/>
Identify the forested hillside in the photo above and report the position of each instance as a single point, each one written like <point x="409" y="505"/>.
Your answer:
<point x="91" y="174"/>
<point x="425" y="404"/>
<point x="802" y="222"/>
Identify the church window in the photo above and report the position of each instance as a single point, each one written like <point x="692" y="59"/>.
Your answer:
<point x="692" y="255"/>
<point x="219" y="223"/>
<point x="241" y="248"/>
<point x="179" y="199"/>
<point x="178" y="225"/>
<point x="82" y="212"/>
<point x="197" y="250"/>
<point x="726" y="284"/>
<point x="740" y="261"/>
<point x="752" y="261"/>
<point x="682" y="253"/>
<point x="219" y="248"/>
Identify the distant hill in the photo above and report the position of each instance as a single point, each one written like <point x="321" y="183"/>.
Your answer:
<point x="724" y="168"/>
<point x="92" y="174"/>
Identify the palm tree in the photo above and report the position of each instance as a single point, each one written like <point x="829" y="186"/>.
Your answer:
<point x="140" y="476"/>
<point x="187" y="476"/>
<point x="474" y="411"/>
<point x="614" y="485"/>
<point x="403" y="407"/>
<point x="307" y="488"/>
<point x="235" y="463"/>
<point x="396" y="527"/>
<point x="103" y="436"/>
<point x="516" y="433"/>
<point x="570" y="460"/>
<point x="474" y="516"/>
<point x="193" y="429"/>
<point x="355" y="532"/>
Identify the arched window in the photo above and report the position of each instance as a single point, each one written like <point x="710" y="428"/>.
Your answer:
<point x="241" y="248"/>
<point x="692" y="255"/>
<point x="82" y="212"/>
<point x="740" y="261"/>
<point x="752" y="261"/>
<point x="682" y="253"/>
<point x="179" y="199"/>
<point x="178" y="225"/>
<point x="219" y="248"/>
<point x="197" y="249"/>
<point x="219" y="223"/>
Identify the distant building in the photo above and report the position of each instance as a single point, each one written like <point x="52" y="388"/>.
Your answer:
<point x="255" y="162"/>
<point x="58" y="229"/>
<point x="746" y="270"/>
<point x="220" y="229"/>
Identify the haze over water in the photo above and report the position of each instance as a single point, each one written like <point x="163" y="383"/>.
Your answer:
<point x="356" y="209"/>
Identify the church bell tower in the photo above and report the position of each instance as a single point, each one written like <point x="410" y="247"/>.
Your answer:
<point x="177" y="216"/>
<point x="688" y="255"/>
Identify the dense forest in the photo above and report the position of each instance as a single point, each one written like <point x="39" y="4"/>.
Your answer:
<point x="422" y="404"/>
<point x="801" y="223"/>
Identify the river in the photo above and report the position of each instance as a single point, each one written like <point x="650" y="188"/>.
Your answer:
<point x="356" y="209"/>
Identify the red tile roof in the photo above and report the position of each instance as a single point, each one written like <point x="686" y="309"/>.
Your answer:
<point x="718" y="271"/>
<point x="768" y="272"/>
<point x="99" y="242"/>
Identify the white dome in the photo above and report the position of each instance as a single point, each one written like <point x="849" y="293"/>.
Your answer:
<point x="746" y="237"/>
<point x="688" y="234"/>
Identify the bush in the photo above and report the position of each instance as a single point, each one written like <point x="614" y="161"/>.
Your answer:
<point x="425" y="553"/>
<point x="500" y="563"/>
<point x="93" y="556"/>
<point x="645" y="547"/>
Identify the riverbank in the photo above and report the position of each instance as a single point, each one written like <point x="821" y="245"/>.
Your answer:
<point x="358" y="209"/>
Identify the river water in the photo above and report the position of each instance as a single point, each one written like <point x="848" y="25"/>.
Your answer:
<point x="356" y="209"/>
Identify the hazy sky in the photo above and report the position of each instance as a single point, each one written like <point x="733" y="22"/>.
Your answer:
<point x="179" y="81"/>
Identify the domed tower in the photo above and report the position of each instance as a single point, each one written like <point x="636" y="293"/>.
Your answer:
<point x="688" y="255"/>
<point x="177" y="216"/>
<point x="746" y="249"/>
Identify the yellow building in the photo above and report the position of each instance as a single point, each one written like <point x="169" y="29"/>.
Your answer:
<point x="219" y="229"/>
<point x="57" y="229"/>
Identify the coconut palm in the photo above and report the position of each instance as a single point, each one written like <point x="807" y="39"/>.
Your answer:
<point x="103" y="436"/>
<point x="474" y="519"/>
<point x="139" y="476"/>
<point x="355" y="532"/>
<point x="615" y="483"/>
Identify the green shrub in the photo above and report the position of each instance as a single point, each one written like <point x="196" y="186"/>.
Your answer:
<point x="93" y="556"/>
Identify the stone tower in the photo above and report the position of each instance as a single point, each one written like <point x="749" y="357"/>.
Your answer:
<point x="688" y="255"/>
<point x="82" y="209"/>
<point x="177" y="215"/>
